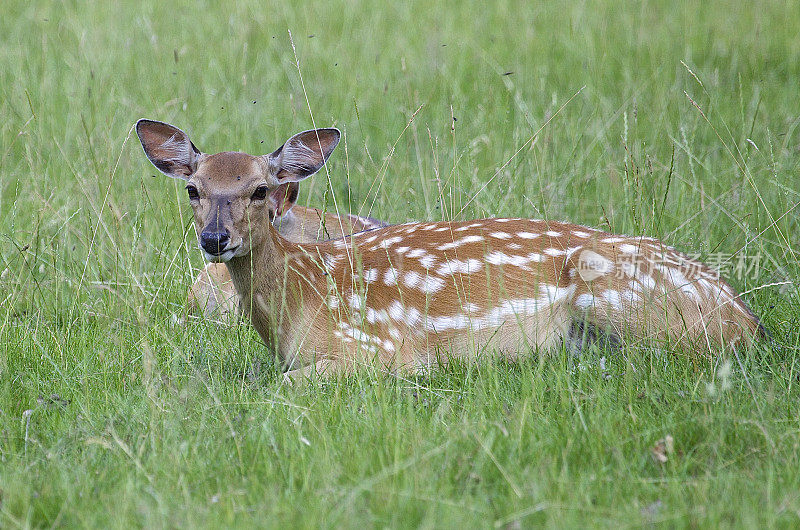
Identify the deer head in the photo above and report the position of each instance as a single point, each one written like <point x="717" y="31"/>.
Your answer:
<point x="235" y="196"/>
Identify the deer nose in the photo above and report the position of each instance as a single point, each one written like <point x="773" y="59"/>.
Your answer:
<point x="214" y="242"/>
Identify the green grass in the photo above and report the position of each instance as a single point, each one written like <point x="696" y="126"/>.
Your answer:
<point x="678" y="121"/>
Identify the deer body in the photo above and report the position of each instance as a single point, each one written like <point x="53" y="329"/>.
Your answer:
<point x="409" y="295"/>
<point x="406" y="296"/>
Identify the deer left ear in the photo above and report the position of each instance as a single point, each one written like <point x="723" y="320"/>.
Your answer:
<point x="283" y="197"/>
<point x="303" y="154"/>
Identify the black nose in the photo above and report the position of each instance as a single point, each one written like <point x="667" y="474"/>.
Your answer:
<point x="214" y="242"/>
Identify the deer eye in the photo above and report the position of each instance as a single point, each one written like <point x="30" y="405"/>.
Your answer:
<point x="192" y="191"/>
<point x="260" y="194"/>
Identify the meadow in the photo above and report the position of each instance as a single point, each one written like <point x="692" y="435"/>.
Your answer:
<point x="677" y="120"/>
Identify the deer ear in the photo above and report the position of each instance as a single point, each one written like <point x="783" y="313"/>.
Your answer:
<point x="283" y="197"/>
<point x="303" y="154"/>
<point x="168" y="148"/>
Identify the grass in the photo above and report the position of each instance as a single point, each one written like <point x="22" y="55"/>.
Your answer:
<point x="675" y="121"/>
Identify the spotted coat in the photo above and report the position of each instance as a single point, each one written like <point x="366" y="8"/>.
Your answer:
<point x="409" y="295"/>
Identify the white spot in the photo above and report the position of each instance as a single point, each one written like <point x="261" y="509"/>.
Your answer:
<point x="411" y="278"/>
<point x="676" y="277"/>
<point x="592" y="265"/>
<point x="627" y="248"/>
<point x="647" y="281"/>
<point x="554" y="252"/>
<point x="356" y="302"/>
<point x="445" y="323"/>
<point x="386" y="243"/>
<point x="371" y="275"/>
<point x="515" y="308"/>
<point x="332" y="302"/>
<point x="390" y="276"/>
<point x="413" y="316"/>
<point x="364" y="340"/>
<point x="330" y="260"/>
<point x="584" y="301"/>
<point x="409" y="317"/>
<point x="374" y="316"/>
<point x="527" y="235"/>
<point x="572" y="250"/>
<point x="463" y="241"/>
<point x="554" y="293"/>
<point x="501" y="258"/>
<point x="630" y="297"/>
<point x="456" y="266"/>
<point x="628" y="268"/>
<point x="514" y="246"/>
<point x="396" y="311"/>
<point x="401" y="250"/>
<point x="578" y="233"/>
<point x="613" y="240"/>
<point x="431" y="284"/>
<point x="552" y="233"/>
<point x="612" y="297"/>
<point x="417" y="253"/>
<point x="428" y="261"/>
<point x="500" y="235"/>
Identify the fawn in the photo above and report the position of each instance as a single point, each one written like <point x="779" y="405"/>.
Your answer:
<point x="406" y="296"/>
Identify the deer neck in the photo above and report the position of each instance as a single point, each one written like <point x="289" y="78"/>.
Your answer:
<point x="264" y="282"/>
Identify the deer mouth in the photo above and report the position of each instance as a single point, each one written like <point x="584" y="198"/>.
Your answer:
<point x="222" y="257"/>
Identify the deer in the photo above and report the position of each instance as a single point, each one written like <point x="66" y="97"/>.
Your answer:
<point x="212" y="294"/>
<point x="408" y="297"/>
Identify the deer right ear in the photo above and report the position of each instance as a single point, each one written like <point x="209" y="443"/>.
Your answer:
<point x="168" y="148"/>
<point x="303" y="154"/>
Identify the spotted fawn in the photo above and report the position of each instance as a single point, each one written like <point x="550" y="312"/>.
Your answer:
<point x="407" y="296"/>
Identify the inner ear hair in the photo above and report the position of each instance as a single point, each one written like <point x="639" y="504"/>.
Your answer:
<point x="303" y="154"/>
<point x="283" y="198"/>
<point x="293" y="192"/>
<point x="168" y="148"/>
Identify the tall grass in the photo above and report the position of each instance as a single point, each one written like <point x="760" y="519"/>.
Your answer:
<point x="673" y="120"/>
